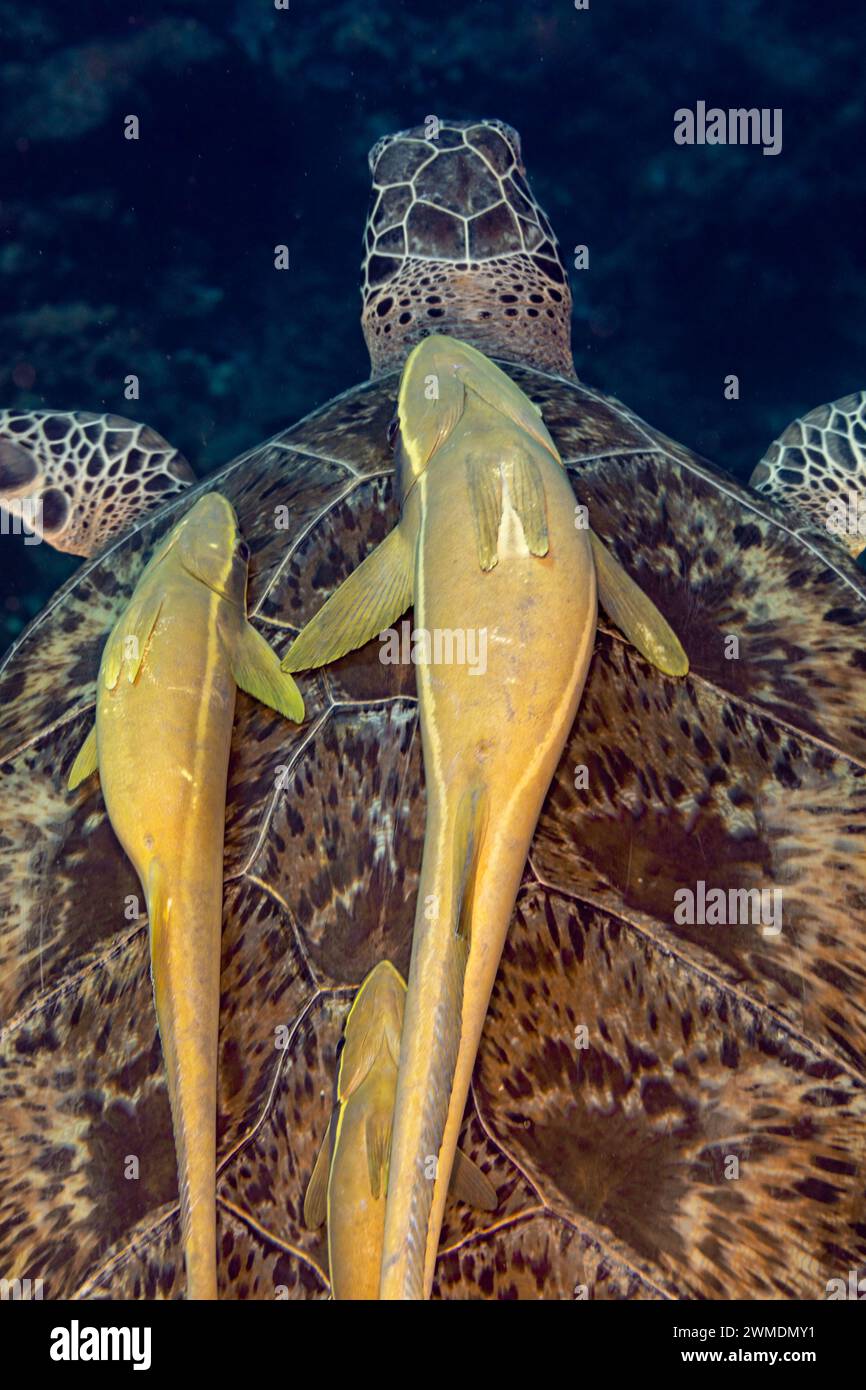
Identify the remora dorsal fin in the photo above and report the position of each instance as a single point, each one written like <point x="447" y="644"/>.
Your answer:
<point x="373" y="597"/>
<point x="256" y="669"/>
<point x="635" y="614"/>
<point x="86" y="761"/>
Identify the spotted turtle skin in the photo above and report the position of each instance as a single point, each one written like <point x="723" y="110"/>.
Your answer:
<point x="667" y="1111"/>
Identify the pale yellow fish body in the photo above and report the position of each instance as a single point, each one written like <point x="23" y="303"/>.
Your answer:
<point x="350" y="1179"/>
<point x="491" y="744"/>
<point x="494" y="551"/>
<point x="360" y="1138"/>
<point x="356" y="1214"/>
<point x="164" y="714"/>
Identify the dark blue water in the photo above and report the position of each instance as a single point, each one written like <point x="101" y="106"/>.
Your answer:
<point x="156" y="257"/>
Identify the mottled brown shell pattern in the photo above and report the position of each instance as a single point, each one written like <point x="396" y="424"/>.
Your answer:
<point x="629" y="1067"/>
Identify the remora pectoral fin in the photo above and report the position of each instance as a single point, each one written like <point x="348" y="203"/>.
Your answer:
<point x="256" y="669"/>
<point x="470" y="1185"/>
<point x="427" y="417"/>
<point x="529" y="503"/>
<point x="635" y="614"/>
<point x="485" y="497"/>
<point x="526" y="493"/>
<point x="126" y="648"/>
<point x="316" y="1197"/>
<point x="373" y="596"/>
<point x="86" y="761"/>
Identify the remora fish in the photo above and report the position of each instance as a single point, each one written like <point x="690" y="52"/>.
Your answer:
<point x="164" y="711"/>
<point x="488" y="540"/>
<point x="350" y="1178"/>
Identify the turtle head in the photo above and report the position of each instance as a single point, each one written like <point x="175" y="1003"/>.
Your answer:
<point x="455" y="243"/>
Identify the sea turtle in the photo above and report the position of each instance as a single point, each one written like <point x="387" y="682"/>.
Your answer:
<point x="667" y="1104"/>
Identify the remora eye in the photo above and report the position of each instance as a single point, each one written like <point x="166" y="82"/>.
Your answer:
<point x="393" y="430"/>
<point x="244" y="551"/>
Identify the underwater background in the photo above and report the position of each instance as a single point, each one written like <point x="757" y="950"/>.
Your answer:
<point x="156" y="257"/>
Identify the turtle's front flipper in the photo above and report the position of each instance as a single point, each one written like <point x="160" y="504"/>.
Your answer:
<point x="818" y="466"/>
<point x="78" y="480"/>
